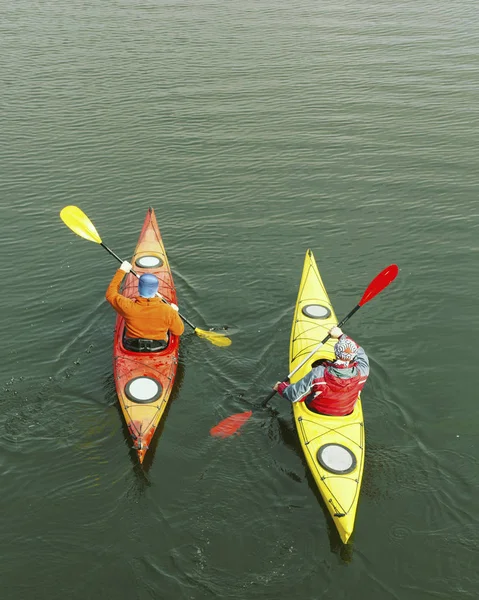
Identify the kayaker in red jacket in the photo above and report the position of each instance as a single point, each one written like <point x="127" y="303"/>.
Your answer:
<point x="332" y="388"/>
<point x="147" y="317"/>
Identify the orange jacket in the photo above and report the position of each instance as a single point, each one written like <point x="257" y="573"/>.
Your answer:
<point x="148" y="318"/>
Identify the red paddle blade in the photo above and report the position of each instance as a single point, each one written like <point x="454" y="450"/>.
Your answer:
<point x="379" y="283"/>
<point x="230" y="425"/>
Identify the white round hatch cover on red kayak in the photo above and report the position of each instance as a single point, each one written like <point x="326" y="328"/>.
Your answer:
<point x="143" y="390"/>
<point x="336" y="458"/>
<point x="316" y="311"/>
<point x="148" y="262"/>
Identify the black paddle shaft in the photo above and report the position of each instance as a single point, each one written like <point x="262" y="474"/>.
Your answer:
<point x="340" y="324"/>
<point x="136" y="275"/>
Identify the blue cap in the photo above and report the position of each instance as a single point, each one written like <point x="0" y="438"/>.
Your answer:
<point x="147" y="285"/>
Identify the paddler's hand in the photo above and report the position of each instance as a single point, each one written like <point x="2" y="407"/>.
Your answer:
<point x="173" y="306"/>
<point x="280" y="386"/>
<point x="125" y="266"/>
<point x="335" y="332"/>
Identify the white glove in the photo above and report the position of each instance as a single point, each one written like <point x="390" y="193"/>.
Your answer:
<point x="125" y="266"/>
<point x="335" y="332"/>
<point x="173" y="306"/>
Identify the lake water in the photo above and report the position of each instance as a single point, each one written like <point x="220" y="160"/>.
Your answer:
<point x="256" y="130"/>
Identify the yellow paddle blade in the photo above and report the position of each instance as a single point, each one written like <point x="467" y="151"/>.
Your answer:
<point x="218" y="339"/>
<point x="79" y="223"/>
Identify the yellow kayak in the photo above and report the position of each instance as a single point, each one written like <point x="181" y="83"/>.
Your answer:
<point x="333" y="446"/>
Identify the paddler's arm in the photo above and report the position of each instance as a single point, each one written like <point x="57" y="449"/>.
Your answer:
<point x="176" y="324"/>
<point x="363" y="362"/>
<point x="297" y="392"/>
<point x="113" y="296"/>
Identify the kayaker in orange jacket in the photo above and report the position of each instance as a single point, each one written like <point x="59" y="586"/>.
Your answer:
<point x="147" y="317"/>
<point x="332" y="388"/>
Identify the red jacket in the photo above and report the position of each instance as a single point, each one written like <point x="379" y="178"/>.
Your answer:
<point x="334" y="395"/>
<point x="332" y="388"/>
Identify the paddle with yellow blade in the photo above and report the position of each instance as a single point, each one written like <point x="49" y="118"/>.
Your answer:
<point x="231" y="424"/>
<point x="79" y="223"/>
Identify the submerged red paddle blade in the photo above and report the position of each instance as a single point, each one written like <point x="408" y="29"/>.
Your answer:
<point x="230" y="425"/>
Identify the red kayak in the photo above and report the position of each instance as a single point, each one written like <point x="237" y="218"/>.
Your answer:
<point x="144" y="380"/>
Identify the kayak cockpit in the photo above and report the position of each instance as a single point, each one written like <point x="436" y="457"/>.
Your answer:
<point x="143" y="344"/>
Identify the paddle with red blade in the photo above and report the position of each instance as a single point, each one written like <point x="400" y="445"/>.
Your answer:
<point x="230" y="425"/>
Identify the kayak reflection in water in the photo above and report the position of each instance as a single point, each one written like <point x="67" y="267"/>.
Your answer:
<point x="147" y="318"/>
<point x="331" y="388"/>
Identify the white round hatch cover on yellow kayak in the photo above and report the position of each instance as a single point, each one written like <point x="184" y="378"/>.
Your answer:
<point x="336" y="458"/>
<point x="316" y="311"/>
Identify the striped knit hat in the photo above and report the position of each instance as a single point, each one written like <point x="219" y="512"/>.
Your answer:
<point x="345" y="349"/>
